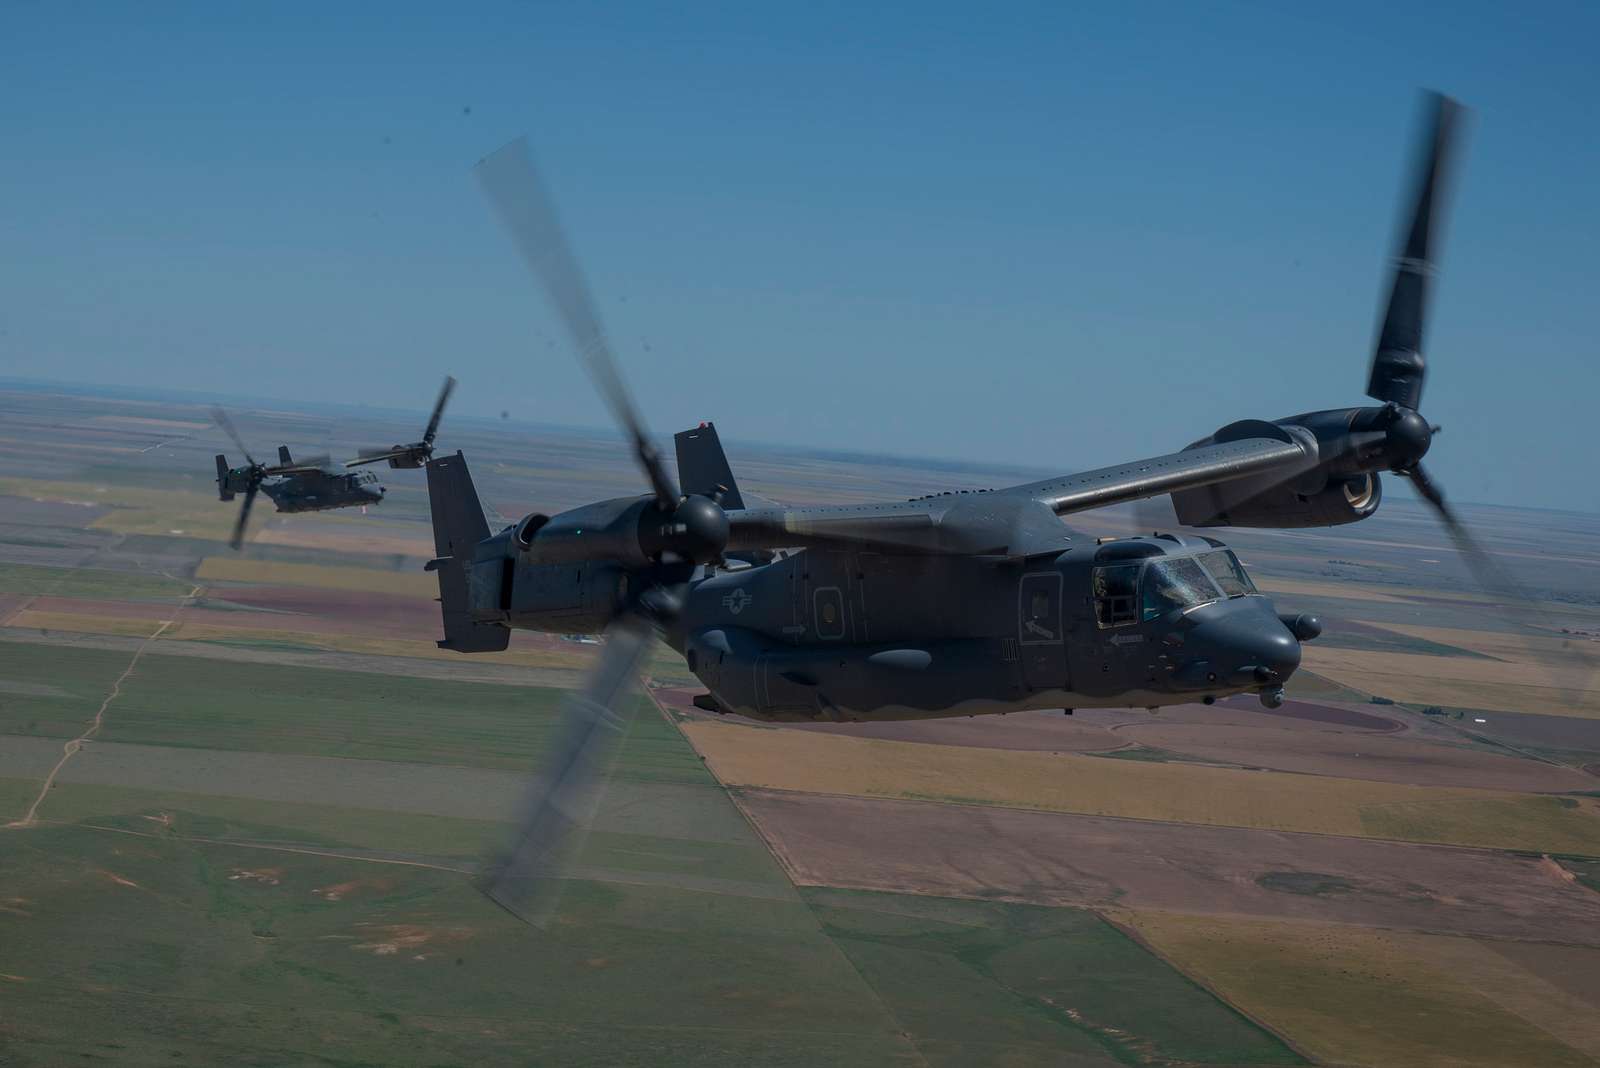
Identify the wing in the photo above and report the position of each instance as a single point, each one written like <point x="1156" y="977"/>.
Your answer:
<point x="1205" y="465"/>
<point x="1017" y="521"/>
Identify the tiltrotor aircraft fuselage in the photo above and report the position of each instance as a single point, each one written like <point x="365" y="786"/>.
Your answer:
<point x="951" y="604"/>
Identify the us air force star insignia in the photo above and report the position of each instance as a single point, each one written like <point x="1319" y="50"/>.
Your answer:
<point x="735" y="601"/>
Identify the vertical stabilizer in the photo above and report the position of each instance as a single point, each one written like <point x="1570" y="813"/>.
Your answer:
<point x="703" y="466"/>
<point x="224" y="490"/>
<point x="458" y="527"/>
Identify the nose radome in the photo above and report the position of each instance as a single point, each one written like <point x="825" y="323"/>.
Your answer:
<point x="1277" y="651"/>
<point x="1241" y="645"/>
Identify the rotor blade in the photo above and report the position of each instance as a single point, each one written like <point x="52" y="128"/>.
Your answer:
<point x="438" y="410"/>
<point x="517" y="194"/>
<point x="1520" y="606"/>
<point x="220" y="417"/>
<point x="244" y="513"/>
<point x="561" y="802"/>
<point x="1398" y="366"/>
<point x="1482" y="565"/>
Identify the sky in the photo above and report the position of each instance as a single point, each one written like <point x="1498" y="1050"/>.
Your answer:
<point x="1053" y="235"/>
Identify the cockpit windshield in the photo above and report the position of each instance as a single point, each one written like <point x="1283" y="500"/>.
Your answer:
<point x="1229" y="573"/>
<point x="1171" y="583"/>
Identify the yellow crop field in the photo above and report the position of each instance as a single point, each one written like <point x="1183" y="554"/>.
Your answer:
<point x="1360" y="996"/>
<point x="361" y="580"/>
<point x="1572" y="657"/>
<point x="1181" y="793"/>
<point x="75" y="623"/>
<point x="1465" y="682"/>
<point x="210" y="520"/>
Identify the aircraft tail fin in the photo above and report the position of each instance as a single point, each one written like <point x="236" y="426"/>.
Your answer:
<point x="283" y="456"/>
<point x="703" y="466"/>
<point x="223" y="489"/>
<point x="458" y="526"/>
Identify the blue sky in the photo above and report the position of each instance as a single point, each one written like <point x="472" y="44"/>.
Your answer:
<point x="1047" y="234"/>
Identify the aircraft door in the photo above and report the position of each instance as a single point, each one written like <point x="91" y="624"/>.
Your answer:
<point x="1039" y="631"/>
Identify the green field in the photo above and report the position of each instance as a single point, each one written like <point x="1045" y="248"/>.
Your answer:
<point x="203" y="703"/>
<point x="991" y="983"/>
<point x="33" y="580"/>
<point x="257" y="863"/>
<point x="149" y="926"/>
<point x="143" y="951"/>
<point x="156" y="949"/>
<point x="53" y="691"/>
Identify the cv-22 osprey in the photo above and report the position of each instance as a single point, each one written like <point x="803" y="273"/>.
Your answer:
<point x="951" y="604"/>
<point x="308" y="485"/>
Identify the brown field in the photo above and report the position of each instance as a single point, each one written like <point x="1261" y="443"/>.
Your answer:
<point x="352" y="610"/>
<point x="345" y="540"/>
<point x="1573" y="969"/>
<point x="1348" y="995"/>
<point x="1045" y="731"/>
<point x="11" y="603"/>
<point x="1052" y="859"/>
<point x="361" y="580"/>
<point x="1246" y="711"/>
<point x="365" y="615"/>
<point x="1181" y="793"/>
<point x="1457" y="681"/>
<point x="1343" y="590"/>
<point x="1399" y="758"/>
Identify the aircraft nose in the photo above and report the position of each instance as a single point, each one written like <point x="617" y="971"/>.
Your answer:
<point x="1276" y="652"/>
<point x="1242" y="644"/>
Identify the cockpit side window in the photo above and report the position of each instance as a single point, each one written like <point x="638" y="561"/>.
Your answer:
<point x="1116" y="595"/>
<point x="1229" y="573"/>
<point x="1175" y="583"/>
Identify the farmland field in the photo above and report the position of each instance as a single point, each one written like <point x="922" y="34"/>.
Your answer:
<point x="1175" y="792"/>
<point x="1380" y="997"/>
<point x="262" y="794"/>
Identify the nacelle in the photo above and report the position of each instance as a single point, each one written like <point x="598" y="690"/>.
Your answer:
<point x="506" y="585"/>
<point x="631" y="531"/>
<point x="1339" y="483"/>
<point x="1339" y="501"/>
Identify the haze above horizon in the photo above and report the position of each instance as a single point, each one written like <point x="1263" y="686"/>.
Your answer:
<point x="1048" y="237"/>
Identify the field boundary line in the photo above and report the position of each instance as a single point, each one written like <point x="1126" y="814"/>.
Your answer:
<point x="981" y="805"/>
<point x="73" y="747"/>
<point x="1134" y="935"/>
<point x="901" y="1032"/>
<point x="199" y="840"/>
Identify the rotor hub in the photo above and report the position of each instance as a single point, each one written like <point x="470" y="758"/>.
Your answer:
<point x="696" y="531"/>
<point x="1406" y="439"/>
